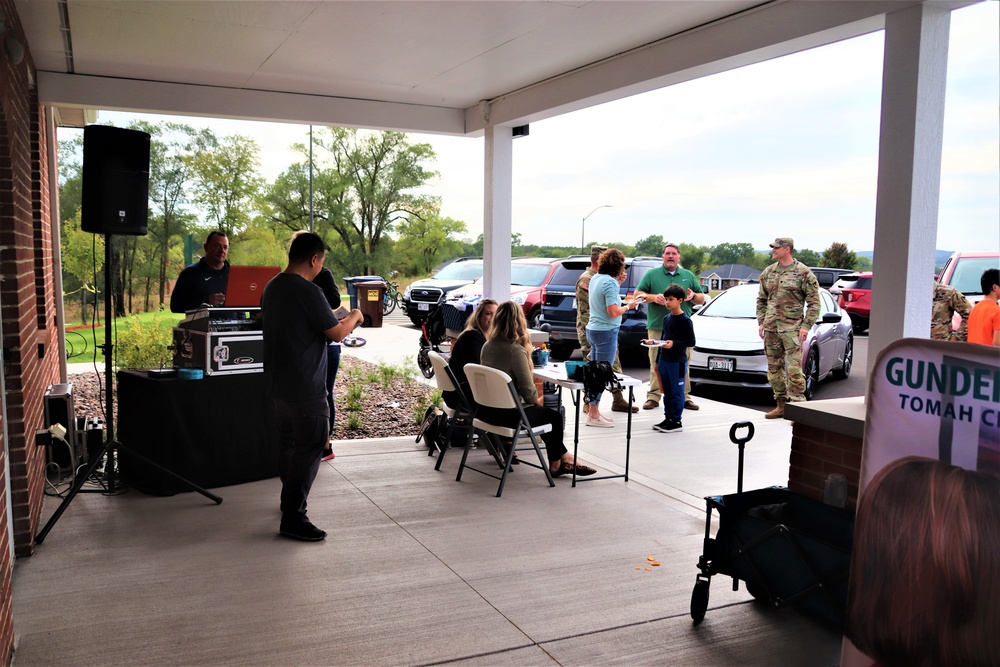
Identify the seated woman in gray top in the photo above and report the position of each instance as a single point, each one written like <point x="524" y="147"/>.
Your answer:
<point x="509" y="350"/>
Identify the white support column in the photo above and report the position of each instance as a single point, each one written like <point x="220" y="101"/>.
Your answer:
<point x="52" y="146"/>
<point x="909" y="174"/>
<point x="497" y="214"/>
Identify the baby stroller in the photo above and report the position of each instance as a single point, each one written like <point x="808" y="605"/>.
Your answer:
<point x="433" y="335"/>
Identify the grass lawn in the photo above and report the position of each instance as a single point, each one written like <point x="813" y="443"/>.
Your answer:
<point x="82" y="343"/>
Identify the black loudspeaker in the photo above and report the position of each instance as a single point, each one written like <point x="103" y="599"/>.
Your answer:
<point x="115" y="180"/>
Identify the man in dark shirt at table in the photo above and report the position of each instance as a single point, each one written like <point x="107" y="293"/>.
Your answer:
<point x="206" y="280"/>
<point x="297" y="323"/>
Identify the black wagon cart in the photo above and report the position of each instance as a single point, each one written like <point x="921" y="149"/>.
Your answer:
<point x="787" y="548"/>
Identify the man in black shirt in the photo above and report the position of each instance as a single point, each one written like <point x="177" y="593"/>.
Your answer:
<point x="297" y="323"/>
<point x="205" y="281"/>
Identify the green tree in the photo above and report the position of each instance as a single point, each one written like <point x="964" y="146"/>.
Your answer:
<point x="169" y="181"/>
<point x="70" y="177"/>
<point x="226" y="183"/>
<point x="808" y="257"/>
<point x="288" y="198"/>
<point x="731" y="253"/>
<point x="426" y="240"/>
<point x="377" y="174"/>
<point x="837" y="256"/>
<point x="692" y="257"/>
<point x="760" y="260"/>
<point x="82" y="258"/>
<point x="473" y="248"/>
<point x="651" y="245"/>
<point x="260" y="245"/>
<point x="864" y="263"/>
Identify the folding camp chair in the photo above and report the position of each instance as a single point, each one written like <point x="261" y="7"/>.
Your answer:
<point x="494" y="388"/>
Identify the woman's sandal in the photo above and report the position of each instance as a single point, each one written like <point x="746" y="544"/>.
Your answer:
<point x="567" y="469"/>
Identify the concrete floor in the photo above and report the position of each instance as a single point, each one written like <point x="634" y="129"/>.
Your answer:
<point x="419" y="569"/>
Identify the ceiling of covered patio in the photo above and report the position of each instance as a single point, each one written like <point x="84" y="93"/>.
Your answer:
<point x="443" y="67"/>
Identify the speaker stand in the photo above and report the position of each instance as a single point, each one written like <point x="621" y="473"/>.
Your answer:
<point x="111" y="446"/>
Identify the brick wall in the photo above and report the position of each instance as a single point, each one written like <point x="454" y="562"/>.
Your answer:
<point x="27" y="312"/>
<point x="817" y="453"/>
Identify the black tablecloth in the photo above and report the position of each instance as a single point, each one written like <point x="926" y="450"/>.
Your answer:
<point x="214" y="432"/>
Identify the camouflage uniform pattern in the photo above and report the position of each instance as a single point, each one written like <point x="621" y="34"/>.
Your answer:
<point x="583" y="316"/>
<point x="947" y="302"/>
<point x="783" y="293"/>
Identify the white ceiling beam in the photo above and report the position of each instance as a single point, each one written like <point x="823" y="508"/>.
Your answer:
<point x="769" y="31"/>
<point x="97" y="92"/>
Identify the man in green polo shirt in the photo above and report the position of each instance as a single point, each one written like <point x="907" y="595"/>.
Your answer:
<point x="654" y="283"/>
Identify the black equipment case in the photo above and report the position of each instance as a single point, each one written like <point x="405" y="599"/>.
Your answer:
<point x="220" y="341"/>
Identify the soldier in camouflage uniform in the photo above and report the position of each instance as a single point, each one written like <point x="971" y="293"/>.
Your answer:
<point x="785" y="287"/>
<point x="947" y="302"/>
<point x="583" y="316"/>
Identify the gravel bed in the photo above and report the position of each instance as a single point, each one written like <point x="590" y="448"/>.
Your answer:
<point x="385" y="412"/>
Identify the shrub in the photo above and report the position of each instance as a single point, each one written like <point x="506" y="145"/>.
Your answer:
<point x="142" y="343"/>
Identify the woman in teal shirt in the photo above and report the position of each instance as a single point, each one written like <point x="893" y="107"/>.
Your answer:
<point x="606" y="311"/>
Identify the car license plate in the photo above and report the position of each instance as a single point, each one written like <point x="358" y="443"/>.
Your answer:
<point x="423" y="306"/>
<point x="726" y="364"/>
<point x="574" y="303"/>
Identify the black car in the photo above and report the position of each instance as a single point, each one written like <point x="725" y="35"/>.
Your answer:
<point x="424" y="294"/>
<point x="559" y="306"/>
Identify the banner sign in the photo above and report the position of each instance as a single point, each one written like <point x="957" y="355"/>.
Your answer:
<point x="938" y="399"/>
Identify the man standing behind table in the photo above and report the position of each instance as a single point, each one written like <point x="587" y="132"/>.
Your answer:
<point x="947" y="302"/>
<point x="785" y="288"/>
<point x="297" y="324"/>
<point x="655" y="283"/>
<point x="206" y="280"/>
<point x="583" y="316"/>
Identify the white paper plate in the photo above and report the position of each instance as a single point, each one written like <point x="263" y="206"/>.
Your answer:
<point x="653" y="345"/>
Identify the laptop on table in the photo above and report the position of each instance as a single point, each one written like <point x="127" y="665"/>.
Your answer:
<point x="246" y="285"/>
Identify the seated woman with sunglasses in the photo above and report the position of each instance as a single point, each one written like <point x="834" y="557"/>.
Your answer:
<point x="468" y="347"/>
<point x="509" y="350"/>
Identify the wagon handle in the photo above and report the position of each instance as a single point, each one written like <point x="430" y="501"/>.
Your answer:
<point x="741" y="442"/>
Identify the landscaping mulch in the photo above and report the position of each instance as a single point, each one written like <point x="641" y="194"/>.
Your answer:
<point x="385" y="411"/>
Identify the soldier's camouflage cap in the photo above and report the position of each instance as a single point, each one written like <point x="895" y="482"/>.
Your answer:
<point x="783" y="241"/>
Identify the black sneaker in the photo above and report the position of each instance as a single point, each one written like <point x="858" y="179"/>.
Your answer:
<point x="673" y="426"/>
<point x="302" y="531"/>
<point x="662" y="426"/>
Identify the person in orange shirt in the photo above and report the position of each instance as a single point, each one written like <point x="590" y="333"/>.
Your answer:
<point x="984" y="320"/>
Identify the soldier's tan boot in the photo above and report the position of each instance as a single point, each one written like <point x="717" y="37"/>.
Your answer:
<point x="620" y="404"/>
<point x="778" y="412"/>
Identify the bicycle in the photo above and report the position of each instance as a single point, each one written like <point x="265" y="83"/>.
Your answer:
<point x="393" y="297"/>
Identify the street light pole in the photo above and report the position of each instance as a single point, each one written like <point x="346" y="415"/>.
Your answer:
<point x="583" y="224"/>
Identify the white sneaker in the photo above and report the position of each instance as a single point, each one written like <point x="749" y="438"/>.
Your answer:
<point x="599" y="423"/>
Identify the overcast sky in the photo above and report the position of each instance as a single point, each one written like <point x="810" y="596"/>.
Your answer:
<point x="787" y="147"/>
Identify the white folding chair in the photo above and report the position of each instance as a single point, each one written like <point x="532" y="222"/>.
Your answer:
<point x="461" y="416"/>
<point x="494" y="388"/>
